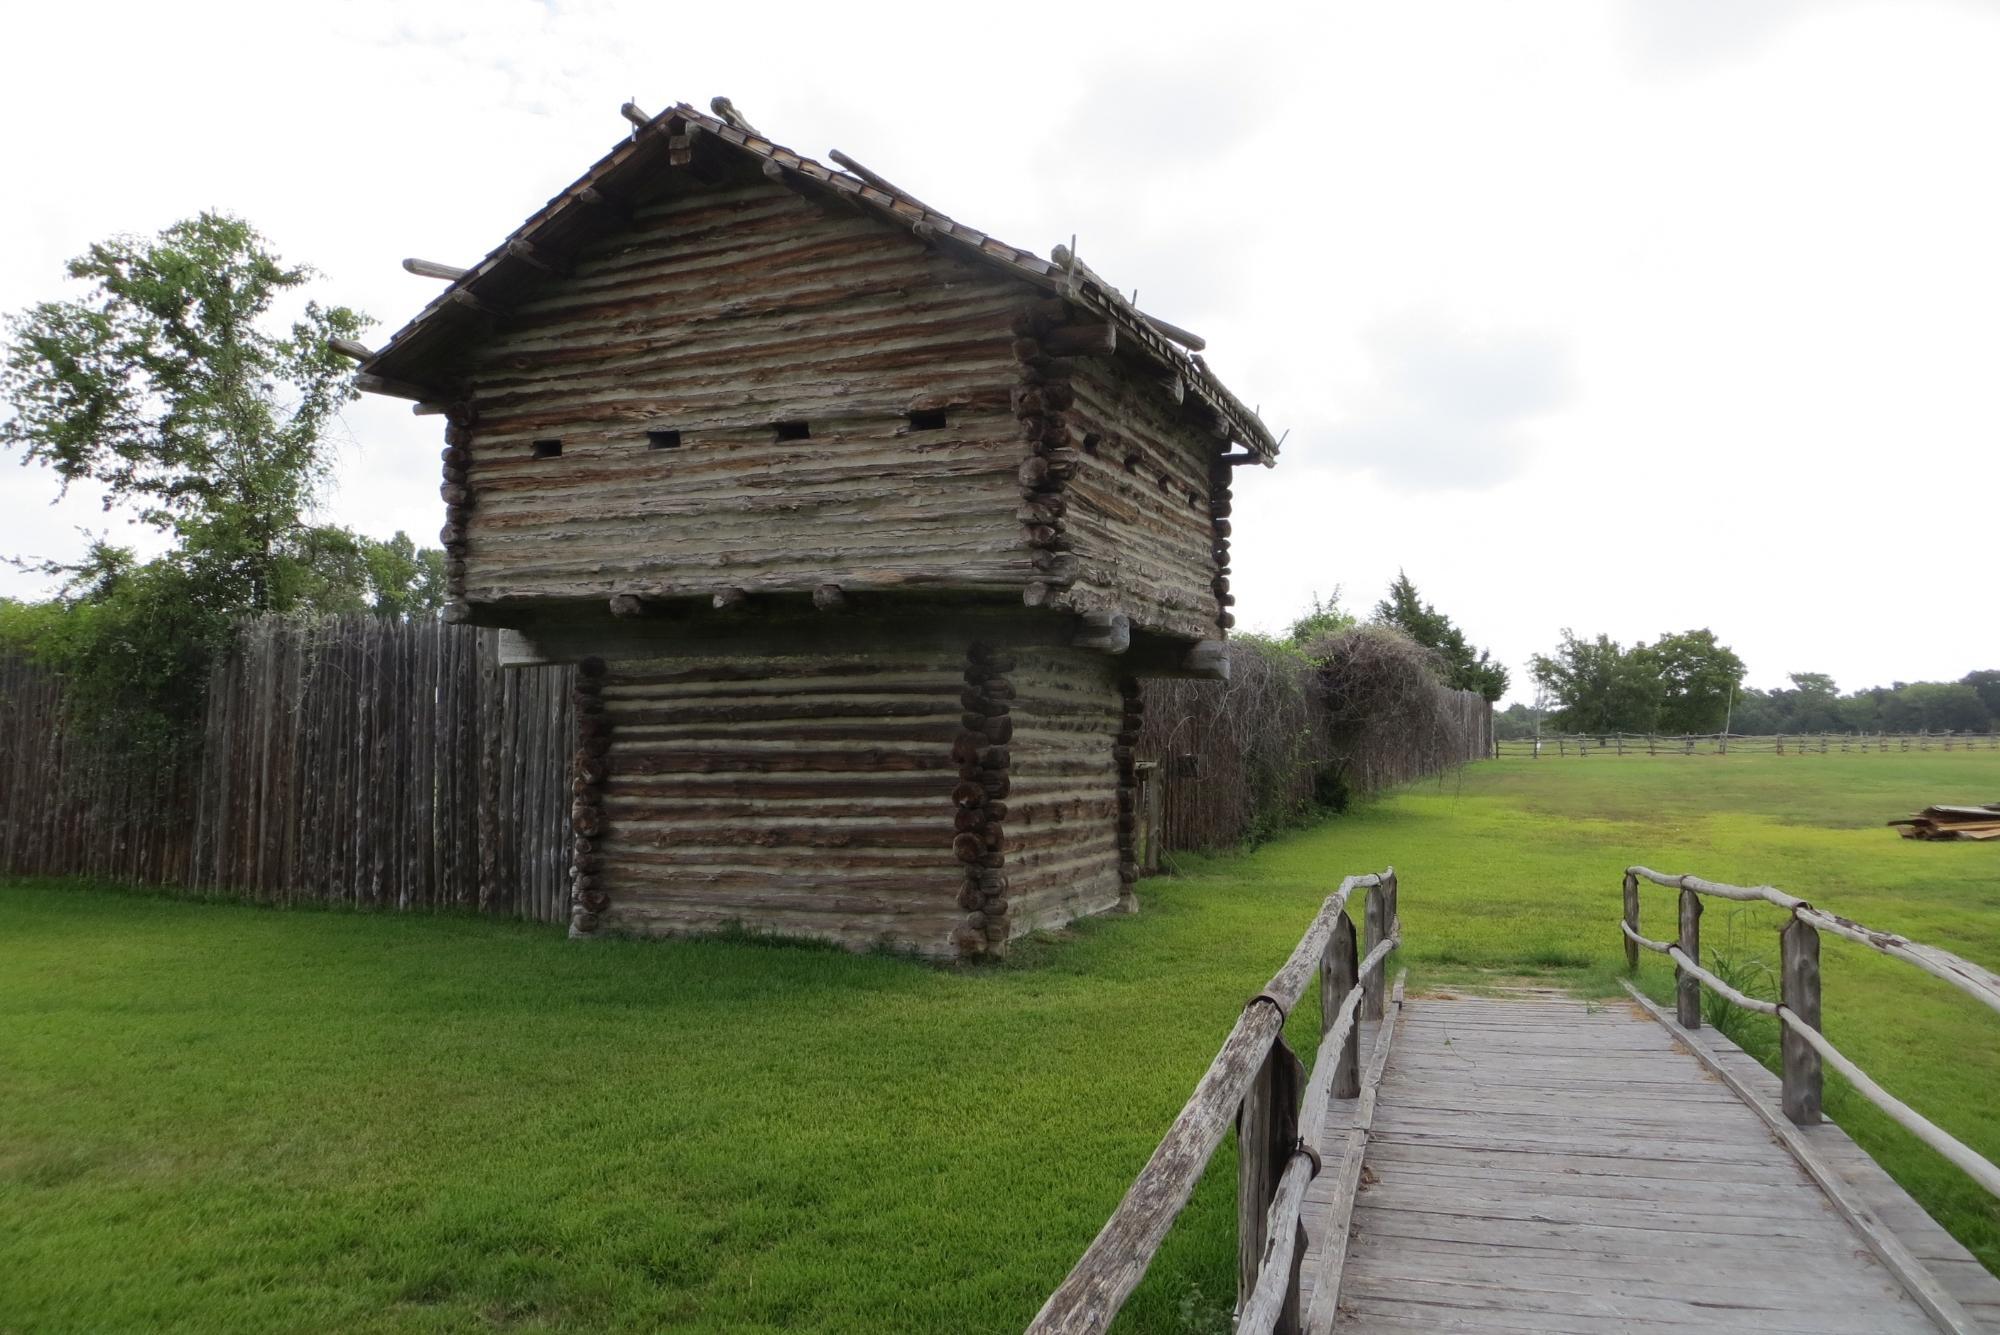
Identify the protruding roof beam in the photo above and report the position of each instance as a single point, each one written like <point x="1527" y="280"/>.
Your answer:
<point x="880" y="182"/>
<point x="451" y="273"/>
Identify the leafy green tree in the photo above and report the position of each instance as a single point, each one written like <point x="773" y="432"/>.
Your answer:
<point x="1938" y="706"/>
<point x="1698" y="679"/>
<point x="1813" y="704"/>
<point x="1986" y="683"/>
<point x="174" y="385"/>
<point x="1599" y="686"/>
<point x="1466" y="669"/>
<point x="168" y="385"/>
<point x="1325" y="618"/>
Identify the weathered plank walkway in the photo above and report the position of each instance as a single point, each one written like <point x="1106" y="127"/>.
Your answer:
<point x="1546" y="1164"/>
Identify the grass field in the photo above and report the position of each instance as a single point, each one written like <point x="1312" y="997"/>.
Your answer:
<point x="216" y="1118"/>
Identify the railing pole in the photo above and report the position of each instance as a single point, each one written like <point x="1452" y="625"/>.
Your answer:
<point x="1687" y="988"/>
<point x="1336" y="980"/>
<point x="1632" y="921"/>
<point x="1377" y="921"/>
<point x="1798" y="946"/>
<point x="1267" y="1133"/>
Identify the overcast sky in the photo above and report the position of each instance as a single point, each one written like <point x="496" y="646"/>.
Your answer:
<point x="1624" y="315"/>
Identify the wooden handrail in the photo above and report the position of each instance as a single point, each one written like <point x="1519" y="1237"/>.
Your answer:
<point x="1804" y="1046"/>
<point x="1970" y="978"/>
<point x="1116" y="1260"/>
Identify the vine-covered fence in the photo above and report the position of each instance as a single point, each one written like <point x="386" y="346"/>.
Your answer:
<point x="1234" y="759"/>
<point x="352" y="761"/>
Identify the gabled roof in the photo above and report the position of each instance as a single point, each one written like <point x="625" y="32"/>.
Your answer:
<point x="405" y="364"/>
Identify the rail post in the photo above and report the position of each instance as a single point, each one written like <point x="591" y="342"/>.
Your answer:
<point x="1267" y="1134"/>
<point x="1632" y="921"/>
<point x="1687" y="988"/>
<point x="1336" y="979"/>
<point x="1798" y="945"/>
<point x="1377" y="921"/>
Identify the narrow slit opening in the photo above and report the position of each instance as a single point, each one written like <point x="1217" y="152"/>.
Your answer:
<point x="663" y="440"/>
<point x="934" y="421"/>
<point x="547" y="449"/>
<point x="794" y="430"/>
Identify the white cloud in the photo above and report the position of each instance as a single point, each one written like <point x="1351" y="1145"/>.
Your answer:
<point x="1446" y="410"/>
<point x="1703" y="291"/>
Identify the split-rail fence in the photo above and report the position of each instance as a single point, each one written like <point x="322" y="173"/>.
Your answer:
<point x="1257" y="1084"/>
<point x="1579" y="745"/>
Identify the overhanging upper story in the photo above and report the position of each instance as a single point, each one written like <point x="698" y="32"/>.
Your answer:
<point x="712" y="372"/>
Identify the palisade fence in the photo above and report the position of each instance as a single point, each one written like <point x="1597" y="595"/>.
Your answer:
<point x="392" y="765"/>
<point x="1577" y="745"/>
<point x="349" y="761"/>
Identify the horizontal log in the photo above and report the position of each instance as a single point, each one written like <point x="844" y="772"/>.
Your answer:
<point x="1103" y="632"/>
<point x="1091" y="339"/>
<point x="352" y="348"/>
<point x="369" y="383"/>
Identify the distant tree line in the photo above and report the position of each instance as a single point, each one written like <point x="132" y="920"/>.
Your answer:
<point x="1689" y="682"/>
<point x="1813" y="704"/>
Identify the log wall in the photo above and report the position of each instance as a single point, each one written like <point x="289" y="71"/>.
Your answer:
<point x="941" y="802"/>
<point x="1139" y="512"/>
<point x="801" y="796"/>
<point x="1063" y="845"/>
<point x="720" y="315"/>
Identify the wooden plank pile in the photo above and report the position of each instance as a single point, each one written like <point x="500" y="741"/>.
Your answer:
<point x="1949" y="822"/>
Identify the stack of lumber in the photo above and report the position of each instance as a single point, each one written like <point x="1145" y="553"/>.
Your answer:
<point x="1943" y="822"/>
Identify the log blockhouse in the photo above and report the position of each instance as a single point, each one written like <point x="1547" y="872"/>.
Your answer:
<point x="862" y="527"/>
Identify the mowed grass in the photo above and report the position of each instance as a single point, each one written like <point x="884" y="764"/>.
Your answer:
<point x="215" y="1117"/>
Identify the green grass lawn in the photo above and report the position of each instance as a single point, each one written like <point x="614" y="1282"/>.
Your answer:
<point x="216" y="1117"/>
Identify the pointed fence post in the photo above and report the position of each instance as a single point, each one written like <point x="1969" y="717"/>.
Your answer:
<point x="1267" y="1134"/>
<point x="1336" y="980"/>
<point x="1687" y="988"/>
<point x="1632" y="921"/>
<point x="1798" y="946"/>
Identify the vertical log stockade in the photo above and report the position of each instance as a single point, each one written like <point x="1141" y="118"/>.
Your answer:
<point x="848" y="515"/>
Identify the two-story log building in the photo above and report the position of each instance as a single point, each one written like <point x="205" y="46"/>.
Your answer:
<point x="862" y="526"/>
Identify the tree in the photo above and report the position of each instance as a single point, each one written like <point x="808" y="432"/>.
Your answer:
<point x="1939" y="707"/>
<point x="1465" y="669"/>
<point x="1986" y="684"/>
<point x="1599" y="685"/>
<point x="1698" y="679"/>
<point x="173" y="385"/>
<point x="1326" y="618"/>
<point x="166" y="384"/>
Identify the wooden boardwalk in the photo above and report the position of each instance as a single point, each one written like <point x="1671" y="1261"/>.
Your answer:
<point x="1546" y="1164"/>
